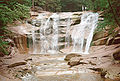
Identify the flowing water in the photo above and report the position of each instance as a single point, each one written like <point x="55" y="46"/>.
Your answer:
<point x="67" y="37"/>
<point x="45" y="40"/>
<point x="84" y="31"/>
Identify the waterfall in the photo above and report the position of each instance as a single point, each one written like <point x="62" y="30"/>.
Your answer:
<point x="54" y="41"/>
<point x="34" y="41"/>
<point x="45" y="39"/>
<point x="84" y="31"/>
<point x="67" y="36"/>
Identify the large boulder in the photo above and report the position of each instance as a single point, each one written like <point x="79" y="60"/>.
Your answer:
<point x="101" y="41"/>
<point x="75" y="61"/>
<point x="100" y="34"/>
<point x="116" y="55"/>
<point x="112" y="40"/>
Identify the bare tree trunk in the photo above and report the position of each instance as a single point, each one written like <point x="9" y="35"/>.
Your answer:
<point x="33" y="5"/>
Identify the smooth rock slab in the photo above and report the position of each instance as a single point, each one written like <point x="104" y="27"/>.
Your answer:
<point x="72" y="77"/>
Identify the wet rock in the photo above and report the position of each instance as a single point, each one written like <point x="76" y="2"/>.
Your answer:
<point x="103" y="73"/>
<point x="116" y="79"/>
<point x="34" y="13"/>
<point x="62" y="39"/>
<point x="29" y="59"/>
<point x="116" y="55"/>
<point x="77" y="13"/>
<point x="100" y="70"/>
<point x="75" y="61"/>
<point x="2" y="54"/>
<point x="92" y="63"/>
<point x="29" y="21"/>
<point x="8" y="57"/>
<point x="115" y="40"/>
<point x="69" y="56"/>
<point x="61" y="46"/>
<point x="97" y="69"/>
<point x="100" y="34"/>
<point x="101" y="41"/>
<point x="16" y="64"/>
<point x="36" y="23"/>
<point x="112" y="40"/>
<point x="77" y="21"/>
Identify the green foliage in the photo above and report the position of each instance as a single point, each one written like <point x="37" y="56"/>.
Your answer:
<point x="110" y="10"/>
<point x="3" y="46"/>
<point x="71" y="5"/>
<point x="11" y="10"/>
<point x="49" y="5"/>
<point x="59" y="5"/>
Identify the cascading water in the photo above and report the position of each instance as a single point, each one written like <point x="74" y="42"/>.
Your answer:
<point x="34" y="41"/>
<point x="45" y="39"/>
<point x="54" y="41"/>
<point x="67" y="36"/>
<point x="43" y="36"/>
<point x="84" y="31"/>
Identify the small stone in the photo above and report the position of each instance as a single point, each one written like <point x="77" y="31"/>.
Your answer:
<point x="69" y="56"/>
<point x="75" y="61"/>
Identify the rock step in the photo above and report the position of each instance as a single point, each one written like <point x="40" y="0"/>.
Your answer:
<point x="62" y="26"/>
<point x="72" y="77"/>
<point x="62" y="29"/>
<point x="61" y="45"/>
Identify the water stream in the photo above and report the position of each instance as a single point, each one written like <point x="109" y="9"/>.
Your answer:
<point x="45" y="40"/>
<point x="84" y="31"/>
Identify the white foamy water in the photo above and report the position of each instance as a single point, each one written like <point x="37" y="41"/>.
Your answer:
<point x="67" y="36"/>
<point x="84" y="31"/>
<point x="45" y="40"/>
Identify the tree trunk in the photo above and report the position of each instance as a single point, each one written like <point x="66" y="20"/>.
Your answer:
<point x="33" y="5"/>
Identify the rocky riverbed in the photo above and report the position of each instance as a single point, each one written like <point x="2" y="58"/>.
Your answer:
<point x="99" y="65"/>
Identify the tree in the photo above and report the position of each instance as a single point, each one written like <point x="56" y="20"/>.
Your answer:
<point x="11" y="10"/>
<point x="49" y="5"/>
